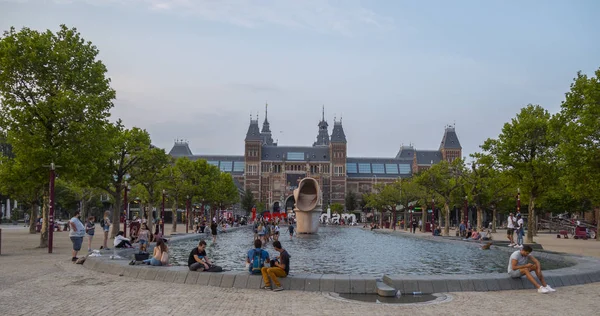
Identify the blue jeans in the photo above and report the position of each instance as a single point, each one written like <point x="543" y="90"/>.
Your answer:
<point x="520" y="234"/>
<point x="153" y="261"/>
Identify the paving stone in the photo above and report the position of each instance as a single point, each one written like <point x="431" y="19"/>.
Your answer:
<point x="170" y="277"/>
<point x="480" y="285"/>
<point x="192" y="278"/>
<point x="150" y="274"/>
<point x="342" y="283"/>
<point x="595" y="276"/>
<point x="311" y="282"/>
<point x="285" y="282"/>
<point x="439" y="286"/>
<point x="160" y="275"/>
<point x="228" y="278"/>
<point x="90" y="263"/>
<point x="582" y="278"/>
<point x="181" y="276"/>
<point x="467" y="285"/>
<point x="116" y="269"/>
<point x="255" y="282"/>
<point x="241" y="281"/>
<point x="425" y="287"/>
<point x="358" y="284"/>
<point x="203" y="277"/>
<point x="214" y="278"/>
<point x="573" y="279"/>
<point x="327" y="283"/>
<point x="504" y="284"/>
<point x="133" y="271"/>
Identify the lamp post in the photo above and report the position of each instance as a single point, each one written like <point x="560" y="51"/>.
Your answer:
<point x="162" y="214"/>
<point x="125" y="210"/>
<point x="50" y="208"/>
<point x="187" y="215"/>
<point x="396" y="210"/>
<point x="432" y="215"/>
<point x="466" y="211"/>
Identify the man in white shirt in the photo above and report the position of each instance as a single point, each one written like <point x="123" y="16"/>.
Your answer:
<point x="518" y="266"/>
<point x="76" y="234"/>
<point x="511" y="229"/>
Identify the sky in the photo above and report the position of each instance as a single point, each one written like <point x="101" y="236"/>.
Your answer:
<point x="395" y="72"/>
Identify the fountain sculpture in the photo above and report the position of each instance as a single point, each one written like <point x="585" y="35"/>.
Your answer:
<point x="308" y="206"/>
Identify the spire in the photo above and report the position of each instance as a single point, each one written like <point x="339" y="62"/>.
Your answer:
<point x="265" y="133"/>
<point x="323" y="135"/>
<point x="323" y="118"/>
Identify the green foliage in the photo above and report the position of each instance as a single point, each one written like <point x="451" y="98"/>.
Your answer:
<point x="385" y="197"/>
<point x="260" y="207"/>
<point x="337" y="208"/>
<point x="248" y="201"/>
<point x="351" y="201"/>
<point x="525" y="150"/>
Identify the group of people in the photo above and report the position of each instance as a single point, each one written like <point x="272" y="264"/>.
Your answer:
<point x="268" y="230"/>
<point x="515" y="225"/>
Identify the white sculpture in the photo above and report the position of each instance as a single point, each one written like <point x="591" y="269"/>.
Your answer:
<point x="308" y="206"/>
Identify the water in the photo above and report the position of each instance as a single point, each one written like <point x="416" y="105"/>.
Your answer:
<point x="402" y="299"/>
<point x="352" y="250"/>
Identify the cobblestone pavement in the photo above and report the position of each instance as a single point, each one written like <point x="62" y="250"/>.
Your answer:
<point x="33" y="282"/>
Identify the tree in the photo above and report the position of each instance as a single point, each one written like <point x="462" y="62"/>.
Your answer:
<point x="579" y="130"/>
<point x="149" y="172"/>
<point x="55" y="99"/>
<point x="226" y="193"/>
<point x="524" y="149"/>
<point x="337" y="208"/>
<point x="411" y="193"/>
<point x="125" y="149"/>
<point x="443" y="178"/>
<point x="248" y="201"/>
<point x="385" y="197"/>
<point x="351" y="201"/>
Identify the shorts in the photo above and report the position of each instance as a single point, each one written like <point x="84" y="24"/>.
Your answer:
<point x="77" y="241"/>
<point x="106" y="228"/>
<point x="510" y="231"/>
<point x="515" y="274"/>
<point x="143" y="242"/>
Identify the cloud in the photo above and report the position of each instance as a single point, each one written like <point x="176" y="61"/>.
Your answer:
<point x="346" y="17"/>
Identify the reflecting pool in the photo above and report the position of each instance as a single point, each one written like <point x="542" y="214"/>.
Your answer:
<point x="353" y="250"/>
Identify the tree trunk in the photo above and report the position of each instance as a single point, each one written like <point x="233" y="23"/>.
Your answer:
<point x="116" y="214"/>
<point x="174" y="216"/>
<point x="44" y="230"/>
<point x="405" y="220"/>
<point x="33" y="218"/>
<point x="424" y="217"/>
<point x="446" y="219"/>
<point x="150" y="208"/>
<point x="479" y="218"/>
<point x="531" y="219"/>
<point x="493" y="218"/>
<point x="83" y="210"/>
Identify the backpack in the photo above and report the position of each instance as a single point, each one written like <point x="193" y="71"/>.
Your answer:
<point x="257" y="262"/>
<point x="102" y="223"/>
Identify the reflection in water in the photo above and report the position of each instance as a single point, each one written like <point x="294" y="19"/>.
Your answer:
<point x="352" y="250"/>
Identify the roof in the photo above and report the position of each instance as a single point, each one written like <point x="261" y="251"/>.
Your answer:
<point x="406" y="152"/>
<point x="229" y="164"/>
<point x="180" y="149"/>
<point x="450" y="139"/>
<point x="298" y="153"/>
<point x="338" y="135"/>
<point x="364" y="167"/>
<point x="253" y="131"/>
<point x="427" y="157"/>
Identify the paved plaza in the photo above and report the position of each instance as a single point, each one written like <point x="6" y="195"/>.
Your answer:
<point x="33" y="282"/>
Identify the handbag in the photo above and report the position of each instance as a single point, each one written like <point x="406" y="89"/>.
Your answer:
<point x="164" y="258"/>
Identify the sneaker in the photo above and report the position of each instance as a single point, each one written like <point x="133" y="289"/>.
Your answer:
<point x="520" y="246"/>
<point x="74" y="259"/>
<point x="549" y="288"/>
<point x="266" y="287"/>
<point x="89" y="249"/>
<point x="543" y="290"/>
<point x="516" y="246"/>
<point x="277" y="289"/>
<point x="511" y="245"/>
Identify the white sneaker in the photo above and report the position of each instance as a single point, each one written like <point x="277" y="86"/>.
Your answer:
<point x="516" y="246"/>
<point x="520" y="246"/>
<point x="549" y="288"/>
<point x="511" y="245"/>
<point x="543" y="290"/>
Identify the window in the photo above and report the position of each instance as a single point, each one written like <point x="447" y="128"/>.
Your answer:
<point x="238" y="166"/>
<point x="391" y="168"/>
<point x="351" y="168"/>
<point x="364" y="168"/>
<point x="295" y="156"/>
<point x="252" y="170"/>
<point x="404" y="169"/>
<point x="378" y="168"/>
<point x="213" y="163"/>
<point x="338" y="170"/>
<point x="226" y="166"/>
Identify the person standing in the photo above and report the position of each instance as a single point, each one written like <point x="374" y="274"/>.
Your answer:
<point x="76" y="234"/>
<point x="213" y="230"/>
<point x="90" y="229"/>
<point x="510" y="229"/>
<point x="414" y="225"/>
<point x="106" y="228"/>
<point x="291" y="230"/>
<point x="280" y="267"/>
<point x="520" y="231"/>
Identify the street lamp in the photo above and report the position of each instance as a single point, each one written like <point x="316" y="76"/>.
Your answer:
<point x="432" y="215"/>
<point x="397" y="209"/>
<point x="125" y="209"/>
<point x="162" y="213"/>
<point x="187" y="214"/>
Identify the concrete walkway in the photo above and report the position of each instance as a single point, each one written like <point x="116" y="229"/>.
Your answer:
<point x="33" y="282"/>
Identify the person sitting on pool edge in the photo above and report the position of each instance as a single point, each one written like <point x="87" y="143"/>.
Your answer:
<point x="518" y="266"/>
<point x="280" y="267"/>
<point x="198" y="261"/>
<point x="256" y="258"/>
